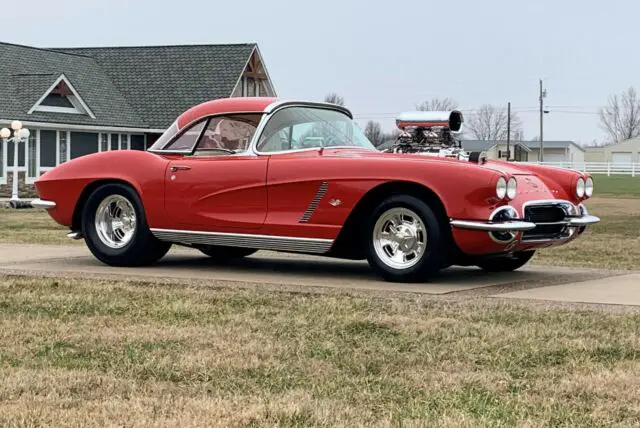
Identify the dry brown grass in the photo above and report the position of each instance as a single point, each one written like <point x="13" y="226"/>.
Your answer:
<point x="30" y="226"/>
<point x="98" y="353"/>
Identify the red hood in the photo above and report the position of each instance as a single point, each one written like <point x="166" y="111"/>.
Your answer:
<point x="495" y="165"/>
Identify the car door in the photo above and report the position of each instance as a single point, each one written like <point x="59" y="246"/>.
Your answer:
<point x="213" y="189"/>
<point x="300" y="180"/>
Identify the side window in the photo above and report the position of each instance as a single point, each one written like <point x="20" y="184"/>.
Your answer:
<point x="188" y="139"/>
<point x="228" y="134"/>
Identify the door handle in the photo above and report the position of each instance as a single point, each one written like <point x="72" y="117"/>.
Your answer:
<point x="180" y="167"/>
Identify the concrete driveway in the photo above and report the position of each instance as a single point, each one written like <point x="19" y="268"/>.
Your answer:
<point x="546" y="283"/>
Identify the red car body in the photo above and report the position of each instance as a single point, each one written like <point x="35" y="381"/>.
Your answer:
<point x="305" y="199"/>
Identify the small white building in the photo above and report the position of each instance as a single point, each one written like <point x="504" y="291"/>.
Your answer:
<point x="529" y="151"/>
<point x="624" y="152"/>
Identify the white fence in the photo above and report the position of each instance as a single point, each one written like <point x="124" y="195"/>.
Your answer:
<point x="607" y="168"/>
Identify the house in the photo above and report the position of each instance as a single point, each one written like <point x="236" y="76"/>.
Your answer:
<point x="77" y="101"/>
<point x="528" y="151"/>
<point x="624" y="152"/>
<point x="498" y="149"/>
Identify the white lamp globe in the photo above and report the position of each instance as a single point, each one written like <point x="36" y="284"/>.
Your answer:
<point x="5" y="133"/>
<point x="24" y="133"/>
<point x="16" y="125"/>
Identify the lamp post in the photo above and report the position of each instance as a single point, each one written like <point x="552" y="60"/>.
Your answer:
<point x="19" y="134"/>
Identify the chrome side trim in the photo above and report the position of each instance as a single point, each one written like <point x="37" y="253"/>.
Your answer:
<point x="40" y="203"/>
<point x="322" y="190"/>
<point x="505" y="226"/>
<point x="262" y="242"/>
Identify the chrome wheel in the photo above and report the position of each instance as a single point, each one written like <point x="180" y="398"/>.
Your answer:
<point x="399" y="238"/>
<point x="115" y="221"/>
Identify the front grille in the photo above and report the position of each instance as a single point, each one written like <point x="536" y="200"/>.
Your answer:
<point x="544" y="214"/>
<point x="541" y="214"/>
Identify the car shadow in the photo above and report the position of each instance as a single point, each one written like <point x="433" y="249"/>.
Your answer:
<point x="317" y="267"/>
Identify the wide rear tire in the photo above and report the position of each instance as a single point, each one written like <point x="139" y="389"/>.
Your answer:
<point x="115" y="228"/>
<point x="223" y="253"/>
<point x="506" y="263"/>
<point x="407" y="241"/>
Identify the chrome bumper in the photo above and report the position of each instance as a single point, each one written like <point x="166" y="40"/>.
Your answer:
<point x="583" y="221"/>
<point x="576" y="216"/>
<point x="40" y="203"/>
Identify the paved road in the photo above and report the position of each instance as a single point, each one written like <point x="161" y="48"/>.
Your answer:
<point x="294" y="270"/>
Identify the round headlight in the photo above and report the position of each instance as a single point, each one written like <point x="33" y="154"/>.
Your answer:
<point x="588" y="187"/>
<point x="580" y="187"/>
<point x="501" y="188"/>
<point x="512" y="188"/>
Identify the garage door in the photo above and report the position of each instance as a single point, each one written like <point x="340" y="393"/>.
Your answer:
<point x="621" y="157"/>
<point x="554" y="157"/>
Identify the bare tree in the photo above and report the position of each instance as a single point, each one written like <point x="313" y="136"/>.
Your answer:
<point x="490" y="123"/>
<point x="334" y="98"/>
<point x="373" y="132"/>
<point x="437" y="104"/>
<point x="621" y="118"/>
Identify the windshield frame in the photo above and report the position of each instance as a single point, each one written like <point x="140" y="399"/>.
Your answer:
<point x="307" y="105"/>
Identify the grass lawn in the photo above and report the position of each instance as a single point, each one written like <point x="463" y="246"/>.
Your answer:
<point x="614" y="243"/>
<point x="617" y="185"/>
<point x="97" y="353"/>
<point x="31" y="226"/>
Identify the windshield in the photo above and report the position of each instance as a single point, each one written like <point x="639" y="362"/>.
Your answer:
<point x="295" y="128"/>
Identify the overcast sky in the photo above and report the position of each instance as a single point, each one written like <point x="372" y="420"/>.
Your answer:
<point x="386" y="56"/>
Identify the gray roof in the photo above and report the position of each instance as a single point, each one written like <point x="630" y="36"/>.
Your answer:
<point x="476" y="145"/>
<point x="142" y="87"/>
<point x="160" y="82"/>
<point x="26" y="73"/>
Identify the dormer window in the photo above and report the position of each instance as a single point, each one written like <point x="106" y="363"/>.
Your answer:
<point x="62" y="97"/>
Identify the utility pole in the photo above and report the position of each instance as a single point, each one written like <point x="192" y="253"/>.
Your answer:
<point x="509" y="131"/>
<point x="543" y="94"/>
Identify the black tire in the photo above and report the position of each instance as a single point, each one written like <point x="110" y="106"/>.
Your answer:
<point x="221" y="253"/>
<point x="506" y="263"/>
<point x="143" y="248"/>
<point x="435" y="254"/>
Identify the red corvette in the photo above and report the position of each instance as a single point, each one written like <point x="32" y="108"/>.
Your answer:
<point x="233" y="176"/>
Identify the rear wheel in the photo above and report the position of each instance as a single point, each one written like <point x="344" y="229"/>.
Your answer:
<point x="507" y="263"/>
<point x="115" y="228"/>
<point x="221" y="253"/>
<point x="406" y="240"/>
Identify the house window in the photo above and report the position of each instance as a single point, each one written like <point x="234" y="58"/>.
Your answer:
<point x="124" y="142"/>
<point x="33" y="156"/>
<point x="105" y="144"/>
<point x="62" y="97"/>
<point x="63" y="146"/>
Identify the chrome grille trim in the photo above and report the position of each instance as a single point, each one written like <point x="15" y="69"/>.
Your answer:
<point x="562" y="234"/>
<point x="322" y="190"/>
<point x="261" y="242"/>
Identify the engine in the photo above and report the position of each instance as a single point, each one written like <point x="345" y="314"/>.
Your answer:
<point x="432" y="133"/>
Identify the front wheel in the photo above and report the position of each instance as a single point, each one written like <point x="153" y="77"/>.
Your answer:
<point x="115" y="228"/>
<point x="406" y="240"/>
<point x="507" y="263"/>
